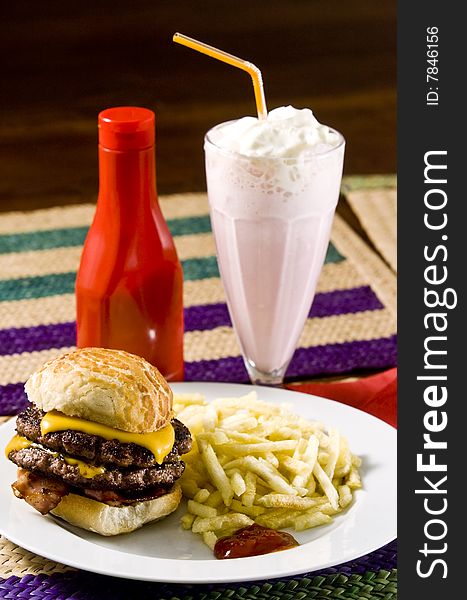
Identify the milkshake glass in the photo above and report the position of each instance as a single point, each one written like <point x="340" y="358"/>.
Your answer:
<point x="272" y="201"/>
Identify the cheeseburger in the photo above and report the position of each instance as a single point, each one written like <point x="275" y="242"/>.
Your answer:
<point x="99" y="445"/>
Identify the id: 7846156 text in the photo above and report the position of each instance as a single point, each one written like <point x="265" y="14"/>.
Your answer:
<point x="432" y="70"/>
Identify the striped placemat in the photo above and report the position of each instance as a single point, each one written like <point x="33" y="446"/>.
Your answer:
<point x="25" y="575"/>
<point x="351" y="325"/>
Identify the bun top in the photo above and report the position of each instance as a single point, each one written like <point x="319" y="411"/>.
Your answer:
<point x="111" y="387"/>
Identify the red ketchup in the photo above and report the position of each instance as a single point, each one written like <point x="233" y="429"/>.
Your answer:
<point x="252" y="541"/>
<point x="129" y="284"/>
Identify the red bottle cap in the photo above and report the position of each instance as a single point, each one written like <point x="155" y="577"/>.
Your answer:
<point x="126" y="128"/>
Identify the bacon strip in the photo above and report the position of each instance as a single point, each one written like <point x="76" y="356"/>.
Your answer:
<point x="41" y="492"/>
<point x="113" y="498"/>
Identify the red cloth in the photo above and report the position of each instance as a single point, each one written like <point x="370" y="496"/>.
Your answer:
<point x="376" y="395"/>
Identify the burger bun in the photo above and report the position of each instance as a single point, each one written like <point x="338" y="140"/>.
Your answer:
<point x="111" y="387"/>
<point x="112" y="520"/>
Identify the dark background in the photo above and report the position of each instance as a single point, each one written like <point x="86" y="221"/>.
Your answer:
<point x="63" y="62"/>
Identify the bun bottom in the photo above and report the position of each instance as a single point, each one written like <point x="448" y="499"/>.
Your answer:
<point x="112" y="520"/>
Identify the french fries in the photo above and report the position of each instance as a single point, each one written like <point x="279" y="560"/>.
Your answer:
<point x="258" y="462"/>
<point x="229" y="521"/>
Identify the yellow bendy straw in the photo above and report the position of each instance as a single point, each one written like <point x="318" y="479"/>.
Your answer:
<point x="230" y="59"/>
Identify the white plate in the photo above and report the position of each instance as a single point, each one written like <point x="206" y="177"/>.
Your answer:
<point x="164" y="552"/>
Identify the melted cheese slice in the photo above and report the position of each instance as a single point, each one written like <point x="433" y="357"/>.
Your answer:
<point x="160" y="443"/>
<point x="85" y="469"/>
<point x="17" y="442"/>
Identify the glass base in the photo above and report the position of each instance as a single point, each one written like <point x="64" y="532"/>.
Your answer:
<point x="257" y="377"/>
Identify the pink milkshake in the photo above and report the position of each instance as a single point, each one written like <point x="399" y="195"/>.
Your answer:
<point x="273" y="186"/>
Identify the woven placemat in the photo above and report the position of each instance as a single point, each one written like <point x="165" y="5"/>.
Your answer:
<point x="352" y="325"/>
<point x="24" y="575"/>
<point x="376" y="209"/>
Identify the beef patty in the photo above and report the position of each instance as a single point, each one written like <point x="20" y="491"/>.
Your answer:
<point x="41" y="460"/>
<point x="95" y="449"/>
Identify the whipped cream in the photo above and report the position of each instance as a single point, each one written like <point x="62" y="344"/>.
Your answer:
<point x="287" y="132"/>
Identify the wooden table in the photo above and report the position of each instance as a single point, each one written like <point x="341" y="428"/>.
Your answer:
<point x="64" y="62"/>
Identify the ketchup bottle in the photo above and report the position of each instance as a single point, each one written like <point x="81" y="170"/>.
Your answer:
<point x="129" y="284"/>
